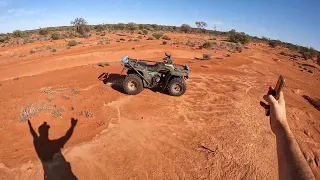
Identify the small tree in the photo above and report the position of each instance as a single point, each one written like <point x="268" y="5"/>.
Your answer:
<point x="185" y="28"/>
<point x="81" y="26"/>
<point x="201" y="25"/>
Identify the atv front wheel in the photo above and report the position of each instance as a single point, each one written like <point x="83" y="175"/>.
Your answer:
<point x="132" y="84"/>
<point x="177" y="87"/>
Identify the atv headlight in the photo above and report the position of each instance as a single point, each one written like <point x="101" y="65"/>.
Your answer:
<point x="186" y="67"/>
<point x="125" y="59"/>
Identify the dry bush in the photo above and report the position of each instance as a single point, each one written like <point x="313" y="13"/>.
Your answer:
<point x="18" y="33"/>
<point x="157" y="35"/>
<point x="164" y="43"/>
<point x="145" y="32"/>
<point x="57" y="112"/>
<point x="47" y="90"/>
<point x="103" y="64"/>
<point x="150" y="38"/>
<point x="87" y="113"/>
<point x="139" y="37"/>
<point x="55" y="36"/>
<point x="75" y="91"/>
<point x="31" y="111"/>
<point x="72" y="43"/>
<point x="206" y="56"/>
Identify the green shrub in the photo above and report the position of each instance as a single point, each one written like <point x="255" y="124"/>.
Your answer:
<point x="145" y="32"/>
<point x="4" y="39"/>
<point x="238" y="37"/>
<point x="273" y="43"/>
<point x="157" y="35"/>
<point x="165" y="37"/>
<point x="72" y="43"/>
<point x="18" y="33"/>
<point x="99" y="28"/>
<point x="164" y="43"/>
<point x="55" y="36"/>
<point x="206" y="56"/>
<point x="43" y="31"/>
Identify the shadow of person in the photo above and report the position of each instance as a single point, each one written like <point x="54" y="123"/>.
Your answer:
<point x="53" y="162"/>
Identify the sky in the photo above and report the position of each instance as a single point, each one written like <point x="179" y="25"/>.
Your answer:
<point x="294" y="21"/>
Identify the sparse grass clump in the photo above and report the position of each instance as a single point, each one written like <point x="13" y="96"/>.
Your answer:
<point x="31" y="111"/>
<point x="282" y="53"/>
<point x="32" y="51"/>
<point x="53" y="50"/>
<point x="87" y="113"/>
<point x="47" y="90"/>
<point x="72" y="43"/>
<point x="206" y="56"/>
<point x="103" y="64"/>
<point x="157" y="35"/>
<point x="57" y="112"/>
<point x="139" y="37"/>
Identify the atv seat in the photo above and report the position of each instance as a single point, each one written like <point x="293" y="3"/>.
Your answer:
<point x="148" y="67"/>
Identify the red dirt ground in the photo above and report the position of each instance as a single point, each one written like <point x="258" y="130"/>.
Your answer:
<point x="215" y="131"/>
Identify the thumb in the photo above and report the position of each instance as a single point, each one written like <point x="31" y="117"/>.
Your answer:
<point x="270" y="99"/>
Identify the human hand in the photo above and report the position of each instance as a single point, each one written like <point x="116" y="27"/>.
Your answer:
<point x="278" y="118"/>
<point x="74" y="122"/>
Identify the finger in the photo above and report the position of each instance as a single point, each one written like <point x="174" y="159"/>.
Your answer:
<point x="270" y="99"/>
<point x="281" y="98"/>
<point x="264" y="105"/>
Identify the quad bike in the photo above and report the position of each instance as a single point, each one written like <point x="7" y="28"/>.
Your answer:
<point x="159" y="76"/>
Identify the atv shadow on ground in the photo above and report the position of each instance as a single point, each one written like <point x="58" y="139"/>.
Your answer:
<point x="116" y="81"/>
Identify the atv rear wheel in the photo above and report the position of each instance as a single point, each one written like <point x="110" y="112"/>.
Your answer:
<point x="132" y="84"/>
<point x="177" y="87"/>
